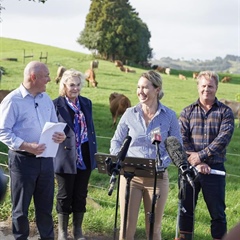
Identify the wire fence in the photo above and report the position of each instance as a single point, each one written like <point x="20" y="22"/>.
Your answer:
<point x="5" y="166"/>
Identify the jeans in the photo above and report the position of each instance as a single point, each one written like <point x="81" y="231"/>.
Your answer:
<point x="213" y="190"/>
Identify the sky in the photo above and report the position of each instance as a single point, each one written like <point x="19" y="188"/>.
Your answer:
<point x="188" y="29"/>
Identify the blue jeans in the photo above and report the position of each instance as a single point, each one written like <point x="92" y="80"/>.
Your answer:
<point x="213" y="190"/>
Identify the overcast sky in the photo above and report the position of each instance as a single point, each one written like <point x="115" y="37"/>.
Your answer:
<point x="189" y="29"/>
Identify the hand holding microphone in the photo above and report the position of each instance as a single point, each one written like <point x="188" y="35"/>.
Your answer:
<point x="117" y="167"/>
<point x="205" y="169"/>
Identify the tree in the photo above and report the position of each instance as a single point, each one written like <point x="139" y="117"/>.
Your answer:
<point x="115" y="31"/>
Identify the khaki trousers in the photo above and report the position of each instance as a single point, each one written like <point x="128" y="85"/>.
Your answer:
<point x="142" y="188"/>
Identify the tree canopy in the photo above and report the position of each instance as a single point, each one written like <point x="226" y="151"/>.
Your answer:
<point x="114" y="30"/>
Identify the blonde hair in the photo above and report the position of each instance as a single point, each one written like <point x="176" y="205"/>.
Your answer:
<point x="156" y="81"/>
<point x="208" y="75"/>
<point x="67" y="75"/>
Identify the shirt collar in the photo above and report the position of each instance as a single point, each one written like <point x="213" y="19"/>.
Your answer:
<point x="25" y="92"/>
<point x="216" y="102"/>
<point x="161" y="107"/>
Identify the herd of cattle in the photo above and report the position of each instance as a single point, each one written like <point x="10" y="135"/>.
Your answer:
<point x="118" y="103"/>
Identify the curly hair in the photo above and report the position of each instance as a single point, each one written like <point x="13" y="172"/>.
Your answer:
<point x="67" y="75"/>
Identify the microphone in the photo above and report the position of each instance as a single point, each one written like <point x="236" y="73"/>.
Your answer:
<point x="156" y="140"/>
<point x="120" y="157"/>
<point x="179" y="157"/>
<point x="36" y="105"/>
<point x="217" y="172"/>
<point x="156" y="136"/>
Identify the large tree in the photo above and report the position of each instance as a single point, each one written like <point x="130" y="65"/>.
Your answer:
<point x="114" y="30"/>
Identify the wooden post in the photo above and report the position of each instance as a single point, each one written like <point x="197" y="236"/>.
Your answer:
<point x="43" y="57"/>
<point x="26" y="56"/>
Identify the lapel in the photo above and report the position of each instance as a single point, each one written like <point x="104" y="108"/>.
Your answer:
<point x="84" y="107"/>
<point x="63" y="110"/>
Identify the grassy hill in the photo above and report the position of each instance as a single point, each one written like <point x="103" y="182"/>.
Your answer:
<point x="177" y="94"/>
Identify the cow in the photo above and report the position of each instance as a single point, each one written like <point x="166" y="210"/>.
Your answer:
<point x="195" y="75"/>
<point x="4" y="93"/>
<point x="118" y="105"/>
<point x="118" y="63"/>
<point x="159" y="68"/>
<point x="91" y="77"/>
<point x="126" y="69"/>
<point x="226" y="79"/>
<point x="182" y="77"/>
<point x="94" y="64"/>
<point x="168" y="71"/>
<point x="60" y="72"/>
<point x="235" y="106"/>
<point x="129" y="70"/>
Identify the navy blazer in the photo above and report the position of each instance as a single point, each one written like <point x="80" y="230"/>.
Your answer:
<point x="65" y="160"/>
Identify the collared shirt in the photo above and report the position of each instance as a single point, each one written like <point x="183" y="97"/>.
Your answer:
<point x="207" y="133"/>
<point x="132" y="123"/>
<point x="23" y="117"/>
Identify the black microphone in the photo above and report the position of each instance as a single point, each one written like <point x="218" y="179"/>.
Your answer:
<point x="156" y="140"/>
<point x="179" y="157"/>
<point x="120" y="157"/>
<point x="36" y="105"/>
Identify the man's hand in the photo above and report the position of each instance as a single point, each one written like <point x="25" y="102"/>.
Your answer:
<point x="33" y="148"/>
<point x="58" y="137"/>
<point x="193" y="158"/>
<point x="203" y="168"/>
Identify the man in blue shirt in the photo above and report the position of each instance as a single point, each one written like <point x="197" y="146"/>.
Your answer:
<point x="24" y="113"/>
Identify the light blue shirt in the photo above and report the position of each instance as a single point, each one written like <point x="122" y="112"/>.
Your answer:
<point x="23" y="117"/>
<point x="132" y="123"/>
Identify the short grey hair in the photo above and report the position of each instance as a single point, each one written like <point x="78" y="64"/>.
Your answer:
<point x="208" y="75"/>
<point x="67" y="75"/>
<point x="156" y="81"/>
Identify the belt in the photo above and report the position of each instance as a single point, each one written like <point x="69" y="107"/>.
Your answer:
<point x="28" y="154"/>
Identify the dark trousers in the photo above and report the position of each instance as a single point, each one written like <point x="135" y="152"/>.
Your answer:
<point x="72" y="191"/>
<point x="31" y="177"/>
<point x="213" y="190"/>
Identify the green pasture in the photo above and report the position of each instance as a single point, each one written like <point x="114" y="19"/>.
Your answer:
<point x="100" y="215"/>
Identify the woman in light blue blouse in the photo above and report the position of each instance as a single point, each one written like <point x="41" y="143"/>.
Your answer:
<point x="138" y="122"/>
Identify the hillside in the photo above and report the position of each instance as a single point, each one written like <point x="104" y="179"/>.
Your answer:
<point x="229" y="64"/>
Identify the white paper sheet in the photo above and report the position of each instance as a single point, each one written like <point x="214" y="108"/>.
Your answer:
<point x="46" y="137"/>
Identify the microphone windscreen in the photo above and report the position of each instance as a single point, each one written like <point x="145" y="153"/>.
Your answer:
<point x="175" y="151"/>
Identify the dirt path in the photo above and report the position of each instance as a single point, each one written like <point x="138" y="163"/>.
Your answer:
<point x="6" y="233"/>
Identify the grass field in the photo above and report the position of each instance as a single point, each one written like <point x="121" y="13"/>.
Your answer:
<point x="100" y="214"/>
